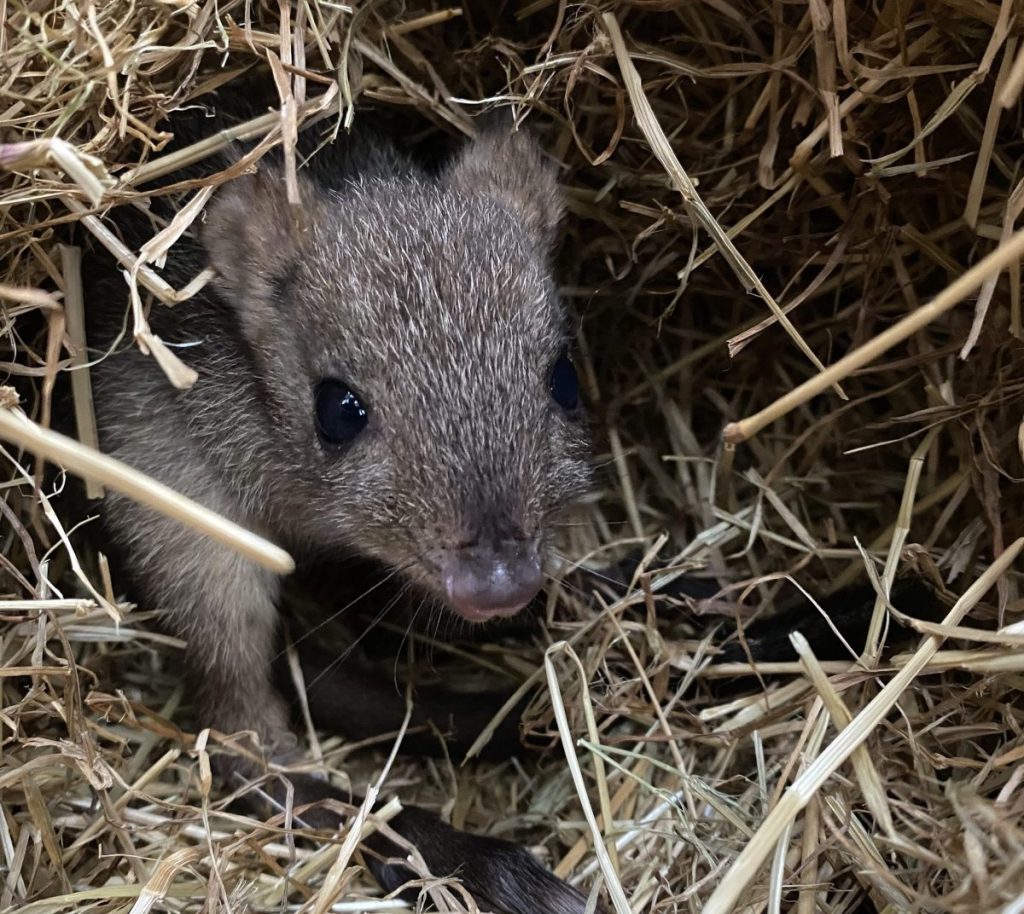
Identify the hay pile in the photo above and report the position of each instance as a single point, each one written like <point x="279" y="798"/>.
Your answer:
<point x="758" y="190"/>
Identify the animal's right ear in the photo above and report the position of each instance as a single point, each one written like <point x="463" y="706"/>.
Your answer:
<point x="511" y="168"/>
<point x="252" y="236"/>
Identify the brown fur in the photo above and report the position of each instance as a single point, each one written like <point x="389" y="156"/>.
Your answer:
<point x="433" y="297"/>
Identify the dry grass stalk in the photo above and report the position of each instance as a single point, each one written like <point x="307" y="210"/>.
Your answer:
<point x="873" y="644"/>
<point x="993" y="264"/>
<point x="867" y="774"/>
<point x="90" y="464"/>
<point x="604" y="858"/>
<point x="81" y="385"/>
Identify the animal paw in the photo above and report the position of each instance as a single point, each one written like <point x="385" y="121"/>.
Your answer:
<point x="501" y="876"/>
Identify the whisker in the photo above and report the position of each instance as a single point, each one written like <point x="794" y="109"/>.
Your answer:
<point x="583" y="523"/>
<point x="405" y="637"/>
<point x="576" y="566"/>
<point x="329" y="619"/>
<point x="573" y="589"/>
<point x="437" y="617"/>
<point x="337" y="661"/>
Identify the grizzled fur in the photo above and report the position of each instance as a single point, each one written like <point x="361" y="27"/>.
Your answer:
<point x="432" y="297"/>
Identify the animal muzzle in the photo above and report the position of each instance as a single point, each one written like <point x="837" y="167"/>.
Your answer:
<point x="489" y="582"/>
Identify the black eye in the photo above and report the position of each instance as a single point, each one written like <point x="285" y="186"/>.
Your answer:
<point x="340" y="416"/>
<point x="565" y="386"/>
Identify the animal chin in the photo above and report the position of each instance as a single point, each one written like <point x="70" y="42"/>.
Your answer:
<point x="479" y="615"/>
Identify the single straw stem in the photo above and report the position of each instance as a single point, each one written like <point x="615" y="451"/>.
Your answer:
<point x="99" y="468"/>
<point x="611" y="877"/>
<point x="1012" y="250"/>
<point x="81" y="385"/>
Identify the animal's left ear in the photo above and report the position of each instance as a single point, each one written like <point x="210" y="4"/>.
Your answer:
<point x="511" y="168"/>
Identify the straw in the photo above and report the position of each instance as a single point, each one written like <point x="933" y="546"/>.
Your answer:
<point x="765" y="202"/>
<point x="107" y="471"/>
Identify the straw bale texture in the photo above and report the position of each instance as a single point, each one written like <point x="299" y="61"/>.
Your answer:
<point x="758" y="189"/>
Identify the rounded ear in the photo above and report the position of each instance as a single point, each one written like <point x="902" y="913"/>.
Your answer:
<point x="510" y="167"/>
<point x="252" y="236"/>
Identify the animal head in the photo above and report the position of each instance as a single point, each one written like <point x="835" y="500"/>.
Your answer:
<point x="422" y="406"/>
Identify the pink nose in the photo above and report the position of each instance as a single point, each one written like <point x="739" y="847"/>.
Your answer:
<point x="488" y="583"/>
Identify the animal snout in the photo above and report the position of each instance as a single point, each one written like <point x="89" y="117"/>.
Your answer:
<point x="489" y="582"/>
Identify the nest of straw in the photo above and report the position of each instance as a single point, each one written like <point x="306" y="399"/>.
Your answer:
<point x="793" y="222"/>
